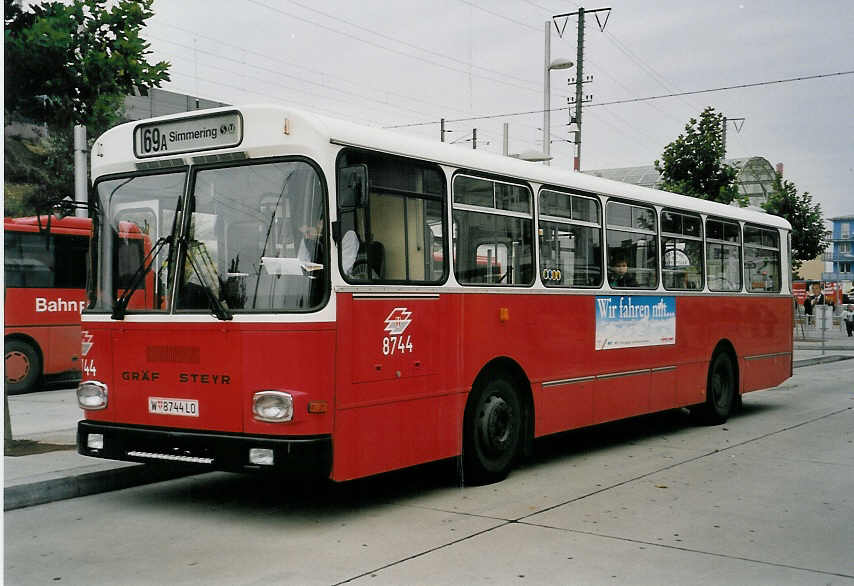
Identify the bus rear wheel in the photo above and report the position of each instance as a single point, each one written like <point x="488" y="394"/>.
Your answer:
<point x="492" y="434"/>
<point x="23" y="367"/>
<point x="721" y="392"/>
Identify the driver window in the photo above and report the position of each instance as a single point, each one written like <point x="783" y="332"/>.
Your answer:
<point x="391" y="231"/>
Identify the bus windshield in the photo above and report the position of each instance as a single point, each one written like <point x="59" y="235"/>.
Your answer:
<point x="138" y="211"/>
<point x="256" y="239"/>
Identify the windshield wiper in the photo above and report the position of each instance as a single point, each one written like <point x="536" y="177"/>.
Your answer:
<point x="120" y="308"/>
<point x="220" y="309"/>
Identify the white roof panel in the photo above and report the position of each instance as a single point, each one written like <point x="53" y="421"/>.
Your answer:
<point x="263" y="132"/>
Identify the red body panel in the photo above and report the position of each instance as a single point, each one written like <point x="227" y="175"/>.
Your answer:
<point x="219" y="365"/>
<point x="396" y="370"/>
<point x="49" y="317"/>
<point x="398" y="402"/>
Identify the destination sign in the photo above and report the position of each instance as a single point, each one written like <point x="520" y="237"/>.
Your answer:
<point x="184" y="135"/>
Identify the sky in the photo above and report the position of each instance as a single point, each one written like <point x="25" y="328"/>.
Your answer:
<point x="409" y="63"/>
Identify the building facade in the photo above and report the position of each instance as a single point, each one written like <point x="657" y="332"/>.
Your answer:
<point x="158" y="102"/>
<point x="841" y="253"/>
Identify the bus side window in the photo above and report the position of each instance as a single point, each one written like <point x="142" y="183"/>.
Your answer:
<point x="631" y="236"/>
<point x="682" y="250"/>
<point x="29" y="260"/>
<point x="493" y="232"/>
<point x="570" y="237"/>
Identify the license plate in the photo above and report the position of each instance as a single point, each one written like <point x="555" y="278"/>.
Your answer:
<point x="163" y="406"/>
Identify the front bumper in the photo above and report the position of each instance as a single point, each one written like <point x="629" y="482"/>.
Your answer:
<point x="206" y="450"/>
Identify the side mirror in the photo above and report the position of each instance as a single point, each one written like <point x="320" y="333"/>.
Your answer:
<point x="352" y="187"/>
<point x="64" y="208"/>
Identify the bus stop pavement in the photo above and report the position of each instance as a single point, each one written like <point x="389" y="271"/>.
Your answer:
<point x="42" y="465"/>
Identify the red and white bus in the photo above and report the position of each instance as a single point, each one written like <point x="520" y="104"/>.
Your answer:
<point x="348" y="300"/>
<point x="45" y="291"/>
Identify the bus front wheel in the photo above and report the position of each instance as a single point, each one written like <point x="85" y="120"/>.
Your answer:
<point x="23" y="366"/>
<point x="492" y="434"/>
<point x="721" y="392"/>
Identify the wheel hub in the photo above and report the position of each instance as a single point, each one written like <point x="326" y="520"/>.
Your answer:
<point x="720" y="387"/>
<point x="496" y="428"/>
<point x="17" y="366"/>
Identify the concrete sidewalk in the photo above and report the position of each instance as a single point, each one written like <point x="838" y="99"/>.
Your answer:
<point x="44" y="426"/>
<point x="48" y="420"/>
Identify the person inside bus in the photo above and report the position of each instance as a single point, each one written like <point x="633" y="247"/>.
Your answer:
<point x="354" y="261"/>
<point x="311" y="244"/>
<point x="362" y="260"/>
<point x="349" y="251"/>
<point x="619" y="275"/>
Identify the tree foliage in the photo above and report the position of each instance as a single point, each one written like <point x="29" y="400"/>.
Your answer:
<point x="808" y="233"/>
<point x="70" y="63"/>
<point x="693" y="163"/>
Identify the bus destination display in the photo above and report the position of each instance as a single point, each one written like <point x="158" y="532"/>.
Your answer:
<point x="172" y="137"/>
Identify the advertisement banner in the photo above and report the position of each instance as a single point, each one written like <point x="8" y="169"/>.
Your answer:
<point x="630" y="321"/>
<point x="799" y="289"/>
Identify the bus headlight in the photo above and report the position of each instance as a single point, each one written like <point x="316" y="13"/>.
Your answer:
<point x="92" y="395"/>
<point x="273" y="406"/>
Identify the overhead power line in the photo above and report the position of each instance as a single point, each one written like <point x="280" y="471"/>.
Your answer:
<point x="310" y="70"/>
<point x="382" y="47"/>
<point x="377" y="33"/>
<point x="635" y="100"/>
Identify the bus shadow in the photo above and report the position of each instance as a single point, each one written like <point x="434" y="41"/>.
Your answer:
<point x="275" y="494"/>
<point x="60" y="382"/>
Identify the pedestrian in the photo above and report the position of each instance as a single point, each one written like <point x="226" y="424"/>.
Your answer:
<point x="848" y="318"/>
<point x="813" y="298"/>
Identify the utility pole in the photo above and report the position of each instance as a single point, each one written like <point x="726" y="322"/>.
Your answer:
<point x="442" y="130"/>
<point x="474" y="138"/>
<point x="580" y="98"/>
<point x="81" y="193"/>
<point x="579" y="88"/>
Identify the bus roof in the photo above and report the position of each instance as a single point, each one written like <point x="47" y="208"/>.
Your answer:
<point x="66" y="223"/>
<point x="271" y="129"/>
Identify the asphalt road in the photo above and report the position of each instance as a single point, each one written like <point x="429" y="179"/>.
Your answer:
<point x="767" y="498"/>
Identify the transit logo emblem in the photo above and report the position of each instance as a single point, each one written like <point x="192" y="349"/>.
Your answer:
<point x="397" y="321"/>
<point x="87" y="342"/>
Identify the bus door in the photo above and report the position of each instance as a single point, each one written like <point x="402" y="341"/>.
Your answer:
<point x="393" y="408"/>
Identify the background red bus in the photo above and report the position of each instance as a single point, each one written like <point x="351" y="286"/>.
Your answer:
<point x="45" y="291"/>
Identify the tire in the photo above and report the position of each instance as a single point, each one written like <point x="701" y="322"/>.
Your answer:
<point x="23" y="367"/>
<point x="721" y="393"/>
<point x="492" y="432"/>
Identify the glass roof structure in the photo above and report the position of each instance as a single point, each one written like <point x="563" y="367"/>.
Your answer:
<point x="755" y="177"/>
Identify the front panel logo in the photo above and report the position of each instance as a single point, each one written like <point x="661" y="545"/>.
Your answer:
<point x="87" y="342"/>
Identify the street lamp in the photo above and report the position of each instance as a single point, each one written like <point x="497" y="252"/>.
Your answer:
<point x="549" y="66"/>
<point x="531" y="156"/>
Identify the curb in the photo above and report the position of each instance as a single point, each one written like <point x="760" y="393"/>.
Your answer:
<point x="819" y="360"/>
<point x="86" y="483"/>
<point x="813" y="346"/>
